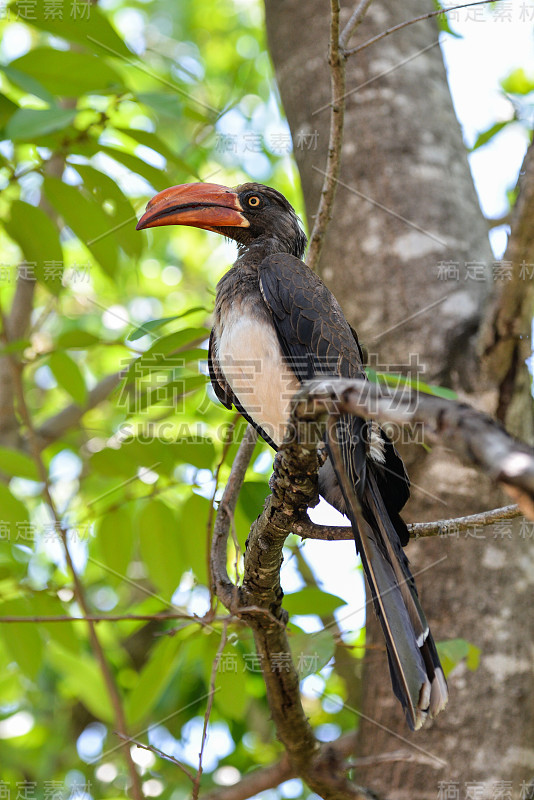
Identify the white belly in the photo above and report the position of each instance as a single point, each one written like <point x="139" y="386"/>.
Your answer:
<point x="251" y="360"/>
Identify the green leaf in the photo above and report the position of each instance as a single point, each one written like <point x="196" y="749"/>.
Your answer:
<point x="170" y="394"/>
<point x="149" y="326"/>
<point x="154" y="679"/>
<point x="160" y="546"/>
<point x="142" y="386"/>
<point x="194" y="516"/>
<point x="68" y="73"/>
<point x="22" y="639"/>
<point x="42" y="249"/>
<point x="195" y="450"/>
<point x="473" y="657"/>
<point x="12" y="511"/>
<point x="28" y="124"/>
<point x="158" y="351"/>
<point x="86" y="219"/>
<point x="453" y="651"/>
<point x="15" y="346"/>
<point x="312" y="601"/>
<point x="176" y="341"/>
<point x="157" y="178"/>
<point x="7" y="109"/>
<point x="68" y="375"/>
<point x="230" y="698"/>
<point x="64" y="633"/>
<point x="74" y="339"/>
<point x="116" y="540"/>
<point x="311" y="651"/>
<point x="151" y="454"/>
<point x="151" y="140"/>
<point x="28" y="84"/>
<point x="13" y="462"/>
<point x="442" y="21"/>
<point x="88" y="26"/>
<point x="121" y="215"/>
<point x="11" y="691"/>
<point x="484" y="137"/>
<point x="162" y="103"/>
<point x="518" y="82"/>
<point x="83" y="680"/>
<point x="111" y="462"/>
<point x="397" y="381"/>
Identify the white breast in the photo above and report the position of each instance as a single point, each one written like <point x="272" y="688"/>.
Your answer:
<point x="251" y="360"/>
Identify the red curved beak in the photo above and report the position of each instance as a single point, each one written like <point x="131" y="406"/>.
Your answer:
<point x="199" y="205"/>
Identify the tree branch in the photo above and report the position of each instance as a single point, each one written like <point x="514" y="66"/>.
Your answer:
<point x="269" y="777"/>
<point x="307" y="529"/>
<point x="452" y="527"/>
<point x="258" y="602"/>
<point x="255" y="782"/>
<point x="473" y="435"/>
<point x="68" y="417"/>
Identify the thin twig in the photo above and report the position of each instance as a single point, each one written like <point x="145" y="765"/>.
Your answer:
<point x="163" y="617"/>
<point x="237" y="549"/>
<point x="408" y="22"/>
<point x="355" y="20"/>
<point x="209" y="706"/>
<point x="222" y="585"/>
<point x="157" y="752"/>
<point x="337" y="64"/>
<point x="209" y="524"/>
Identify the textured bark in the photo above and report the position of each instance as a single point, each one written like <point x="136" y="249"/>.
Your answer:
<point x="403" y="149"/>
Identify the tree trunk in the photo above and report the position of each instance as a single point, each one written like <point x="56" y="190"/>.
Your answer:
<point x="405" y="207"/>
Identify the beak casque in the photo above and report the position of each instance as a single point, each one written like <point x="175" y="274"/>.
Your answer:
<point x="199" y="205"/>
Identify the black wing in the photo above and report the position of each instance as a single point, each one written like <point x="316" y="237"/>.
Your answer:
<point x="316" y="340"/>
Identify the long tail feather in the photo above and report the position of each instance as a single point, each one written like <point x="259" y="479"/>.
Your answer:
<point x="416" y="673"/>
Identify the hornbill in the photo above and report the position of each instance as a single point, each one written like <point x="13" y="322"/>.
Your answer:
<point x="275" y="325"/>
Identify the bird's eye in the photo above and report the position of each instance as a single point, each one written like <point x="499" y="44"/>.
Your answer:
<point x="253" y="201"/>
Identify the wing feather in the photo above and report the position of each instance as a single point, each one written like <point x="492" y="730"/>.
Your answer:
<point x="316" y="340"/>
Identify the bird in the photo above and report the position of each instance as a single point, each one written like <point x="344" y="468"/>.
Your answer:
<point x="276" y="325"/>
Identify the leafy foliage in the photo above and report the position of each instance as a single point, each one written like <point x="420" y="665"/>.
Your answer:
<point x="98" y="110"/>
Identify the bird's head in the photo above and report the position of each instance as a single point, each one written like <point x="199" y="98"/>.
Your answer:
<point x="248" y="213"/>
